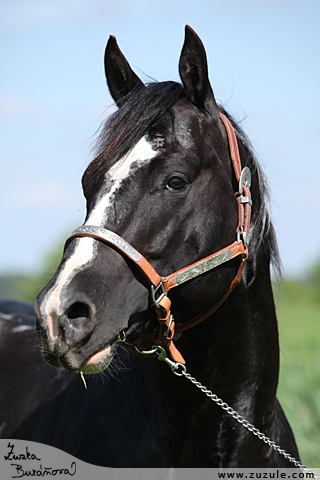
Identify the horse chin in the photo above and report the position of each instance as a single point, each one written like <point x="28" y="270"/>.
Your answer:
<point x="99" y="361"/>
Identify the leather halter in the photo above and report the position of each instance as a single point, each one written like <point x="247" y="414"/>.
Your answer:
<point x="160" y="286"/>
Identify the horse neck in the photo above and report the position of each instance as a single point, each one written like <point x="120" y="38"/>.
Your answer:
<point x="234" y="353"/>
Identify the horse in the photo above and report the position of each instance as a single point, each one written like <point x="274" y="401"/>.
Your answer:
<point x="169" y="274"/>
<point x="27" y="381"/>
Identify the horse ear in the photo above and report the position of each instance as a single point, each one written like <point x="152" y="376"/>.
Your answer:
<point x="120" y="77"/>
<point x="193" y="69"/>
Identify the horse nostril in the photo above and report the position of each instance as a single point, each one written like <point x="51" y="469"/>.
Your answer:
<point x="78" y="311"/>
<point x="76" y="324"/>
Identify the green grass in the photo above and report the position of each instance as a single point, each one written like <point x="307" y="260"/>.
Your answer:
<point x="298" y="312"/>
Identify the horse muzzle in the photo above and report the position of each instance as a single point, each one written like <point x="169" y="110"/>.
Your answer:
<point x="66" y="337"/>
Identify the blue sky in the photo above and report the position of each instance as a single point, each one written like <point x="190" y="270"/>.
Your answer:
<point x="263" y="57"/>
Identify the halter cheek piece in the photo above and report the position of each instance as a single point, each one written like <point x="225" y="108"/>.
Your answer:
<point x="160" y="286"/>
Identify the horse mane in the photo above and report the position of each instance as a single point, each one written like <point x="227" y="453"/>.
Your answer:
<point x="261" y="229"/>
<point x="139" y="111"/>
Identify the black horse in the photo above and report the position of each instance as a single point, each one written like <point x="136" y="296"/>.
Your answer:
<point x="166" y="180"/>
<point x="27" y="382"/>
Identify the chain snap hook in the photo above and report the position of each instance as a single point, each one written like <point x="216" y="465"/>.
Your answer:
<point x="177" y="368"/>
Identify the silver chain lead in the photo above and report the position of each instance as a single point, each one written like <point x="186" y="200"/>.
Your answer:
<point x="180" y="370"/>
<point x="243" y="421"/>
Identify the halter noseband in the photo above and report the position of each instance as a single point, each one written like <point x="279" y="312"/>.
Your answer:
<point x="160" y="286"/>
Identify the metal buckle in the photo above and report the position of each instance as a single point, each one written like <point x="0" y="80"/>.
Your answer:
<point x="147" y="352"/>
<point x="169" y="326"/>
<point x="246" y="200"/>
<point x="245" y="179"/>
<point x="244" y="236"/>
<point x="154" y="291"/>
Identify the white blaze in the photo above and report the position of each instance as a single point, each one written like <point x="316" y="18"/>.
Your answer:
<point x="142" y="153"/>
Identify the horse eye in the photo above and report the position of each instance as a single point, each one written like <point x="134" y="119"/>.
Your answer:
<point x="177" y="183"/>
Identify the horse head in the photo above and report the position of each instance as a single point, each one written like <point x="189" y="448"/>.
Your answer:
<point x="163" y="181"/>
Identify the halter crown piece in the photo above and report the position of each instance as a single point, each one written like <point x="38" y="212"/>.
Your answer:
<point x="160" y="286"/>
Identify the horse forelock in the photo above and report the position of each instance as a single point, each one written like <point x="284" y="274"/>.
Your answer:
<point x="125" y="127"/>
